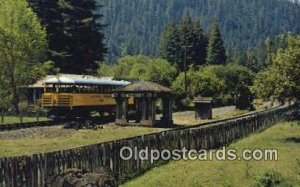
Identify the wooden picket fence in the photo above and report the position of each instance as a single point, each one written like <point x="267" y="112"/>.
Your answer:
<point x="34" y="170"/>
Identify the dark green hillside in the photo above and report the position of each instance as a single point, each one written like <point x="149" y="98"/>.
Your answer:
<point x="134" y="26"/>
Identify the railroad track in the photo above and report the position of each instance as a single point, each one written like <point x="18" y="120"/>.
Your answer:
<point x="79" y="123"/>
<point x="17" y="126"/>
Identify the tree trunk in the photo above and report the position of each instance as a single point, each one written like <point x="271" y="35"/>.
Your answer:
<point x="15" y="96"/>
<point x="15" y="100"/>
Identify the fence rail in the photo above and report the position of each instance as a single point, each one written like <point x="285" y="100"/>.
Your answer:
<point x="34" y="170"/>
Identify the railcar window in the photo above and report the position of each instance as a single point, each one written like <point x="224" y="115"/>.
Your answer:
<point x="87" y="89"/>
<point x="51" y="88"/>
<point x="109" y="89"/>
<point x="97" y="89"/>
<point x="66" y="88"/>
<point x="70" y="88"/>
<point x="79" y="89"/>
<point x="100" y="89"/>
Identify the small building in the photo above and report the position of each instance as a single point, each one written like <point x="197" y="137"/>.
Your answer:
<point x="145" y="95"/>
<point x="203" y="107"/>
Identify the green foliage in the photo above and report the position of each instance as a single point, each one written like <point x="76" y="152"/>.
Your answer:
<point x="200" y="82"/>
<point x="244" y="24"/>
<point x="251" y="60"/>
<point x="282" y="79"/>
<point x="170" y="45"/>
<point x="238" y="80"/>
<point x="268" y="48"/>
<point x="261" y="57"/>
<point x="23" y="47"/>
<point x="216" y="50"/>
<point x="74" y="32"/>
<point x="4" y="95"/>
<point x="141" y="67"/>
<point x="106" y="70"/>
<point x="183" y="40"/>
<point x="218" y="81"/>
<point x="265" y="84"/>
<point x="4" y="91"/>
<point x="179" y="84"/>
<point x="271" y="179"/>
<point x="206" y="84"/>
<point x="192" y="37"/>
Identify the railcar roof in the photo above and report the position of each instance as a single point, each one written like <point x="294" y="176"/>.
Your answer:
<point x="84" y="79"/>
<point x="143" y="86"/>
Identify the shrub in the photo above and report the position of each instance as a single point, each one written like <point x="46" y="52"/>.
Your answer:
<point x="271" y="179"/>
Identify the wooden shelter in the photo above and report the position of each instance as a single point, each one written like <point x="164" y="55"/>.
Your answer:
<point x="145" y="95"/>
<point x="203" y="107"/>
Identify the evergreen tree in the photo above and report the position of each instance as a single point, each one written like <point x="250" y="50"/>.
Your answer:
<point x="186" y="30"/>
<point x="84" y="41"/>
<point x="216" y="50"/>
<point x="252" y="60"/>
<point x="187" y="35"/>
<point x="194" y="39"/>
<point x="281" y="80"/>
<point x="200" y="44"/>
<point x="268" y="47"/>
<point x="244" y="24"/>
<point x="50" y="14"/>
<point x="187" y="41"/>
<point x="74" y="33"/>
<point x="170" y="45"/>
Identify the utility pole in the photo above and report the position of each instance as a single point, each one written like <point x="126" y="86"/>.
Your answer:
<point x="185" y="66"/>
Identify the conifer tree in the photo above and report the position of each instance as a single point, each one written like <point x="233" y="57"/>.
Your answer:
<point x="199" y="44"/>
<point x="50" y="14"/>
<point x="84" y="41"/>
<point x="216" y="50"/>
<point x="74" y="33"/>
<point x="186" y="35"/>
<point x="170" y="45"/>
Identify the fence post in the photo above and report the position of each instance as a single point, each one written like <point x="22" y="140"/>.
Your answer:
<point x="38" y="115"/>
<point x="21" y="117"/>
<point x="2" y="115"/>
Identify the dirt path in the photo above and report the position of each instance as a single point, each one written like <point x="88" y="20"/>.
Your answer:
<point x="188" y="117"/>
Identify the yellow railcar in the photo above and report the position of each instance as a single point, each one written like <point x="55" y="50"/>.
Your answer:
<point x="76" y="95"/>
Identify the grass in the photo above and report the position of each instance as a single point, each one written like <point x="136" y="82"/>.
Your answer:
<point x="16" y="119"/>
<point x="46" y="139"/>
<point x="285" y="137"/>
